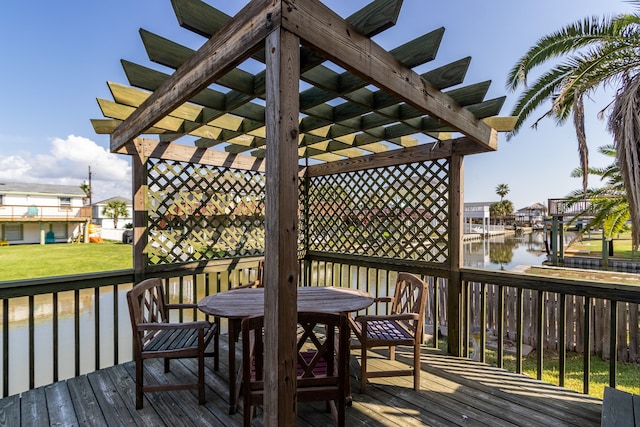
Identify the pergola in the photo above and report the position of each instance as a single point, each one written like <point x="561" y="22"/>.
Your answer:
<point x="327" y="101"/>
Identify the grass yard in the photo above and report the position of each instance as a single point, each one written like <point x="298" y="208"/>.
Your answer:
<point x="592" y="242"/>
<point x="61" y="259"/>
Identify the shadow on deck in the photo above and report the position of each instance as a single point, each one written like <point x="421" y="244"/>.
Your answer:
<point x="455" y="392"/>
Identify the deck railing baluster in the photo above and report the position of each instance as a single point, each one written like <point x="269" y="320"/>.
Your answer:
<point x="55" y="337"/>
<point x="5" y="347"/>
<point x="483" y="321"/>
<point x="96" y="326"/>
<point x="116" y="330"/>
<point x="76" y="318"/>
<point x="540" y="335"/>
<point x="500" y="320"/>
<point x="586" y="369"/>
<point x="519" y="328"/>
<point x="31" y="350"/>
<point x="613" y="346"/>
<point x="436" y="311"/>
<point x="562" y="339"/>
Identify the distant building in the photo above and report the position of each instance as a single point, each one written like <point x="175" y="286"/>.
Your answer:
<point x="477" y="217"/>
<point x="41" y="213"/>
<point x="108" y="232"/>
<point x="531" y="214"/>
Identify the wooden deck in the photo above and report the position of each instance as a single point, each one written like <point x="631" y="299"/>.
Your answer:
<point x="455" y="392"/>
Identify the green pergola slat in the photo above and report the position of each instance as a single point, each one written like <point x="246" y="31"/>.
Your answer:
<point x="170" y="54"/>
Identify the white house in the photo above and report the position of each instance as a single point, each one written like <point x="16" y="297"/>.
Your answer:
<point x="108" y="231"/>
<point x="41" y="213"/>
<point x="477" y="217"/>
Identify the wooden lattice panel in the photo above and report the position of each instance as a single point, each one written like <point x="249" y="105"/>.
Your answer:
<point x="399" y="212"/>
<point x="198" y="212"/>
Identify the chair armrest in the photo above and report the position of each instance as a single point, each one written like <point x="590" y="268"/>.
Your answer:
<point x="382" y="299"/>
<point x="253" y="284"/>
<point x="186" y="325"/>
<point x="403" y="316"/>
<point x="180" y="306"/>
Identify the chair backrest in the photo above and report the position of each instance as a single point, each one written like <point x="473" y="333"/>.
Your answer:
<point x="259" y="282"/>
<point x="322" y="359"/>
<point x="410" y="297"/>
<point x="146" y="305"/>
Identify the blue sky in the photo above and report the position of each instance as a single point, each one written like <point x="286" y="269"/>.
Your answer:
<point x="58" y="56"/>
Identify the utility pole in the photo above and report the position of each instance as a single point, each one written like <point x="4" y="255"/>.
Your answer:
<point x="90" y="189"/>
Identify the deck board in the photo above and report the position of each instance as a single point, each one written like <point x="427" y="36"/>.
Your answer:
<point x="454" y="392"/>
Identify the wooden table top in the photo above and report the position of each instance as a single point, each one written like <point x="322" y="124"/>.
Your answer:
<point x="240" y="303"/>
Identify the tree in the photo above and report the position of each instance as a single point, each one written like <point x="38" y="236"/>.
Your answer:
<point x="608" y="204"/>
<point x="502" y="190"/>
<point x="87" y="190"/>
<point x="594" y="52"/>
<point x="115" y="209"/>
<point x="501" y="209"/>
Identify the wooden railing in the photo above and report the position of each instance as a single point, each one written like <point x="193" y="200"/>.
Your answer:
<point x="587" y="317"/>
<point x="43" y="213"/>
<point x="519" y="308"/>
<point x="60" y="327"/>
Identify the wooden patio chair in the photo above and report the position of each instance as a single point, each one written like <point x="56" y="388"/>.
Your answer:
<point x="402" y="326"/>
<point x="323" y="362"/>
<point x="258" y="283"/>
<point x="156" y="337"/>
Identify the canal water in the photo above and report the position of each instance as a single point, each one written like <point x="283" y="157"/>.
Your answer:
<point x="505" y="252"/>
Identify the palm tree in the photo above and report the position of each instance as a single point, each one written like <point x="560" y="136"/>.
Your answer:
<point x="502" y="190"/>
<point x="87" y="191"/>
<point x="609" y="205"/>
<point x="594" y="52"/>
<point x="115" y="209"/>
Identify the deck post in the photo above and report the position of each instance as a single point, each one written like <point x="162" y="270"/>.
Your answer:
<point x="139" y="188"/>
<point x="456" y="223"/>
<point x="281" y="226"/>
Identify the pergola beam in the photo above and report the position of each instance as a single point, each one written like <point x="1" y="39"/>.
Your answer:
<point x="324" y="30"/>
<point x="236" y="41"/>
<point x="420" y="153"/>
<point x="186" y="153"/>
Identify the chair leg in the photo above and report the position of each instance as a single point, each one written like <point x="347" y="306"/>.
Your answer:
<point x="247" y="412"/>
<point x="139" y="385"/>
<point x="363" y="369"/>
<point x="416" y="366"/>
<point x="216" y="346"/>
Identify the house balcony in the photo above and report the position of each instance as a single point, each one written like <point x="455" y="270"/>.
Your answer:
<point x="40" y="213"/>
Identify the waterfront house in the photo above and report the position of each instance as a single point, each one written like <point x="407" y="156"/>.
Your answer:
<point x="108" y="231"/>
<point x="41" y="213"/>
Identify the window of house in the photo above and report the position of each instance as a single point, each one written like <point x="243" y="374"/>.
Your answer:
<point x="1" y="199"/>
<point x="60" y="230"/>
<point x="65" y="202"/>
<point x="12" y="232"/>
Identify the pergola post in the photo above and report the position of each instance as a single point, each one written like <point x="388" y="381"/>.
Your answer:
<point x="139" y="187"/>
<point x="456" y="219"/>
<point x="281" y="226"/>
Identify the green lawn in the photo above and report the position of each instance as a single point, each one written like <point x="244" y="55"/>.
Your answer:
<point x="31" y="261"/>
<point x="592" y="242"/>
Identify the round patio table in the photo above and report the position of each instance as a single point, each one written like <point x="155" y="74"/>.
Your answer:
<point x="238" y="304"/>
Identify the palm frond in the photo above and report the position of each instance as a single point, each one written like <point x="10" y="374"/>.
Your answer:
<point x="624" y="123"/>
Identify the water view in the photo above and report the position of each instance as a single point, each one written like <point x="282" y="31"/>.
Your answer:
<point x="505" y="252"/>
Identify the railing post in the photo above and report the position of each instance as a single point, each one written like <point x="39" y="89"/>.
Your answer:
<point x="456" y="219"/>
<point x="613" y="344"/>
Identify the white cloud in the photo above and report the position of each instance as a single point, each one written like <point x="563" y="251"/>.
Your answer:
<point x="68" y="163"/>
